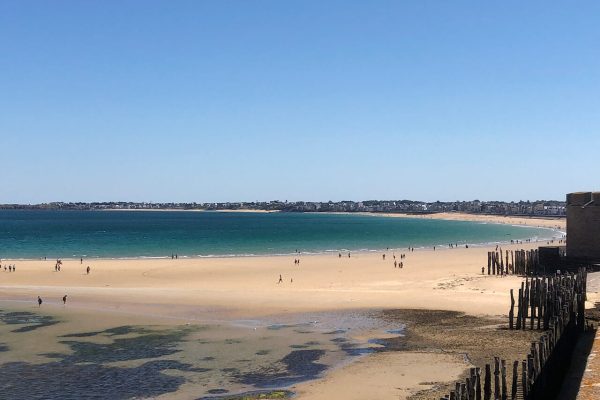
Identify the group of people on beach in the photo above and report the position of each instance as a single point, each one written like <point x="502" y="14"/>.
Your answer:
<point x="396" y="263"/>
<point x="59" y="263"/>
<point x="10" y="267"/>
<point x="40" y="301"/>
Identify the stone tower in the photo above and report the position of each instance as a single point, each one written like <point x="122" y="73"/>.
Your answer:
<point x="583" y="225"/>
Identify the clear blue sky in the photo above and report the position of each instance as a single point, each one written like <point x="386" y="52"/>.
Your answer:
<point x="298" y="100"/>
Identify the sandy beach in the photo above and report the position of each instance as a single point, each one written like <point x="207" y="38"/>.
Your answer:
<point x="559" y="223"/>
<point x="236" y="286"/>
<point x="218" y="290"/>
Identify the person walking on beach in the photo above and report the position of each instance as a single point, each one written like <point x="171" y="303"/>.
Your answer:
<point x="395" y="263"/>
<point x="280" y="279"/>
<point x="39" y="301"/>
<point x="65" y="299"/>
<point x="88" y="270"/>
<point x="384" y="257"/>
<point x="81" y="260"/>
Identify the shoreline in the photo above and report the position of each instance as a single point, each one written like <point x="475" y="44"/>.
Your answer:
<point x="281" y="255"/>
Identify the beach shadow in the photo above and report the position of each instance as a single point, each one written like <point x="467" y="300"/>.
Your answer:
<point x="583" y="348"/>
<point x="572" y="381"/>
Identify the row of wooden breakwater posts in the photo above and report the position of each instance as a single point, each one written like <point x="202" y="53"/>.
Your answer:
<point x="514" y="262"/>
<point x="554" y="305"/>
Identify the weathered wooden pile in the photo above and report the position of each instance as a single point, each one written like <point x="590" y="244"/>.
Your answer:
<point x="522" y="262"/>
<point x="553" y="304"/>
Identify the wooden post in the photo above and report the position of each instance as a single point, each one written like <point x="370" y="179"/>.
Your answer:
<point x="524" y="379"/>
<point x="511" y="312"/>
<point x="520" y="308"/>
<point x="496" y="378"/>
<point x="503" y="372"/>
<point x="530" y="372"/>
<point x="536" y="359"/>
<point x="512" y="261"/>
<point x="525" y="303"/>
<point x="515" y="376"/>
<point x="478" y="384"/>
<point x="532" y="303"/>
<point x="467" y="394"/>
<point x="473" y="380"/>
<point x="487" y="385"/>
<point x="540" y="304"/>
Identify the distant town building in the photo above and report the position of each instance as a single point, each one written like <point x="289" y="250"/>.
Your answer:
<point x="583" y="225"/>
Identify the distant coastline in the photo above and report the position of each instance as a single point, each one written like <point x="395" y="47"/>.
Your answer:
<point x="538" y="208"/>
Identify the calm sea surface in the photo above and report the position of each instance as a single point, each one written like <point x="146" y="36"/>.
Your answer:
<point x="33" y="234"/>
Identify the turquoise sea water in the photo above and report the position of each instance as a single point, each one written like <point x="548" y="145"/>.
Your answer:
<point x="52" y="234"/>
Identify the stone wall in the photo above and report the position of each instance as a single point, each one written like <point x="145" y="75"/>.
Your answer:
<point x="583" y="225"/>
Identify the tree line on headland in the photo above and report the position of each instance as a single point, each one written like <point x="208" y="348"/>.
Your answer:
<point x="528" y="208"/>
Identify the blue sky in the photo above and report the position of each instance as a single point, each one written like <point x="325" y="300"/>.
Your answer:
<point x="298" y="100"/>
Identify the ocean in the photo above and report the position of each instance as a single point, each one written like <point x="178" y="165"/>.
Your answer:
<point x="135" y="234"/>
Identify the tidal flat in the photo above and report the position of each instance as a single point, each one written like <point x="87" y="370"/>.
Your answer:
<point x="57" y="353"/>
